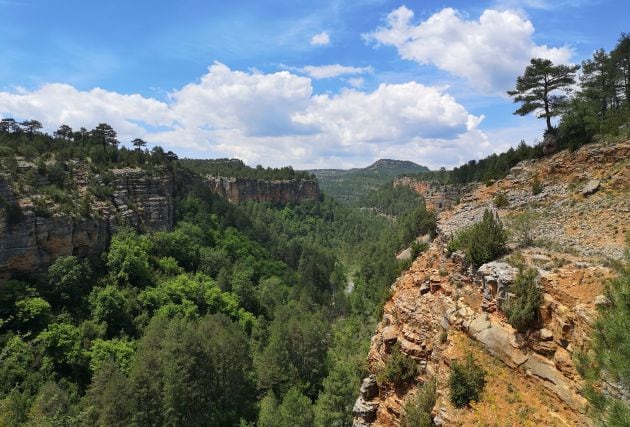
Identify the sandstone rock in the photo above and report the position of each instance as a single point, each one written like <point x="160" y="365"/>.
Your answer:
<point x="546" y="334"/>
<point x="501" y="343"/>
<point x="390" y="335"/>
<point x="564" y="363"/>
<point x="555" y="381"/>
<point x="591" y="187"/>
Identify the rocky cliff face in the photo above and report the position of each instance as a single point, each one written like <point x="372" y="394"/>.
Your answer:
<point x="129" y="197"/>
<point x="138" y="200"/>
<point x="438" y="197"/>
<point x="441" y="309"/>
<point x="239" y="190"/>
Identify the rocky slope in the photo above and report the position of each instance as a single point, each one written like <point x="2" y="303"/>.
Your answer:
<point x="440" y="309"/>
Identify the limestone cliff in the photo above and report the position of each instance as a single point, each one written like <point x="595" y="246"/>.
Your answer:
<point x="437" y="196"/>
<point x="81" y="220"/>
<point x="239" y="190"/>
<point x="441" y="308"/>
<point x="137" y="199"/>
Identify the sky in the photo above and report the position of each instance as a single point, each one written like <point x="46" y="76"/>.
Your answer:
<point x="311" y="84"/>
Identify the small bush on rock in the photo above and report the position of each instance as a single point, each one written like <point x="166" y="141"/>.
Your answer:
<point x="482" y="242"/>
<point x="501" y="200"/>
<point x="466" y="382"/>
<point x="398" y="369"/>
<point x="522" y="310"/>
<point x="417" y="411"/>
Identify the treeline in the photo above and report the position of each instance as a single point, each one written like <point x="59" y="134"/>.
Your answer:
<point x="100" y="145"/>
<point x="236" y="168"/>
<point x="240" y="315"/>
<point x="602" y="103"/>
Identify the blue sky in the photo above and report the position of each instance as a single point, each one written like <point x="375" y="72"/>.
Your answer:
<point x="306" y="83"/>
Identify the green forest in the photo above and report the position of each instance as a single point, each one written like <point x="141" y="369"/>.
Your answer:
<point x="240" y="315"/>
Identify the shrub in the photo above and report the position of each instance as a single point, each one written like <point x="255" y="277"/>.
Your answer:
<point x="537" y="186"/>
<point x="522" y="225"/>
<point x="40" y="207"/>
<point x="501" y="200"/>
<point x="482" y="242"/>
<point x="398" y="369"/>
<point x="522" y="309"/>
<point x="466" y="382"/>
<point x="417" y="411"/>
<point x="417" y="248"/>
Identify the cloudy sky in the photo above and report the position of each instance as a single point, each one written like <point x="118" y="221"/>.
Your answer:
<point x="308" y="83"/>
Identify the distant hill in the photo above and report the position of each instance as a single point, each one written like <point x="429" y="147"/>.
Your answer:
<point x="349" y="185"/>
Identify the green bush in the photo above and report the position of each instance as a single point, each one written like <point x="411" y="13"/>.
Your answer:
<point x="399" y="368"/>
<point x="466" y="382"/>
<point x="521" y="225"/>
<point x="522" y="310"/>
<point x="417" y="411"/>
<point x="417" y="248"/>
<point x="482" y="242"/>
<point x="537" y="186"/>
<point x="501" y="200"/>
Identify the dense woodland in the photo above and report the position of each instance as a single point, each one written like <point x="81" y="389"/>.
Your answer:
<point x="239" y="315"/>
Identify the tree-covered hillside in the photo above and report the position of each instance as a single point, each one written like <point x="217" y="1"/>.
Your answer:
<point x="350" y="185"/>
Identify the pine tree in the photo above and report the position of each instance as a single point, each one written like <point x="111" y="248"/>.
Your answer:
<point x="538" y="89"/>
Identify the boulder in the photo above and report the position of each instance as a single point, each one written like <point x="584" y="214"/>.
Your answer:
<point x="591" y="187"/>
<point x="601" y="301"/>
<point x="369" y="388"/>
<point x="390" y="335"/>
<point x="546" y="334"/>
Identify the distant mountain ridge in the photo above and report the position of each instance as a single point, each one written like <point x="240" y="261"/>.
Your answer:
<point x="349" y="184"/>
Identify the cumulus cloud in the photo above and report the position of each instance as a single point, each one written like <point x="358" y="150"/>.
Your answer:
<point x="334" y="70"/>
<point x="272" y="119"/>
<point x="489" y="53"/>
<point x="321" y="39"/>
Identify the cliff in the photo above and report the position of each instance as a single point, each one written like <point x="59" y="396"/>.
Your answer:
<point x="46" y="230"/>
<point x="441" y="308"/>
<point x="438" y="197"/>
<point x="239" y="190"/>
<point x="39" y="223"/>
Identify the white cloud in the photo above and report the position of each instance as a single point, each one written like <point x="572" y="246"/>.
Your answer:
<point x="333" y="70"/>
<point x="272" y="119"/>
<point x="489" y="53"/>
<point x="356" y="82"/>
<point x="321" y="39"/>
